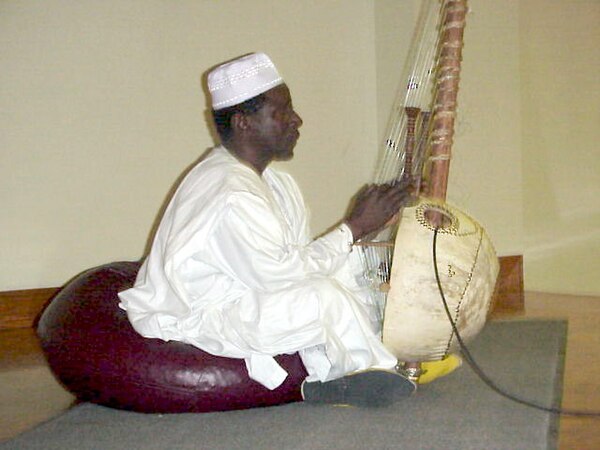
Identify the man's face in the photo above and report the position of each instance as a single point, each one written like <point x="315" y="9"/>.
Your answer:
<point x="275" y="125"/>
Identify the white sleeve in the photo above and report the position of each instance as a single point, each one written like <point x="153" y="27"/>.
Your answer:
<point x="251" y="244"/>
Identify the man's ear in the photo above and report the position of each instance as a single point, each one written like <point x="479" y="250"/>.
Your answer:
<point x="239" y="122"/>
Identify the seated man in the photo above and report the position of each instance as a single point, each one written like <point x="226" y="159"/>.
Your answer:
<point x="234" y="272"/>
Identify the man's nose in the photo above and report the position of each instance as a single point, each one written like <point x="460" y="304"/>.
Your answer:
<point x="297" y="120"/>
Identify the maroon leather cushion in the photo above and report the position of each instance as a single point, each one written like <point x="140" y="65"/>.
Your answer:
<point x="93" y="350"/>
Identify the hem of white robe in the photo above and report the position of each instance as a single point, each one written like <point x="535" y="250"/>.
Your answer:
<point x="266" y="371"/>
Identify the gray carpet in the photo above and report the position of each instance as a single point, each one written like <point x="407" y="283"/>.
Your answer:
<point x="456" y="412"/>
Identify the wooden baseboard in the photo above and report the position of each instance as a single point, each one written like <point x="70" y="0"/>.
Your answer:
<point x="509" y="298"/>
<point x="20" y="309"/>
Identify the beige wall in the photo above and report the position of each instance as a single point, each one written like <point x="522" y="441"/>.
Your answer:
<point x="102" y="110"/>
<point x="560" y="63"/>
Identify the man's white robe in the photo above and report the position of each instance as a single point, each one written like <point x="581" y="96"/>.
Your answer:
<point x="234" y="272"/>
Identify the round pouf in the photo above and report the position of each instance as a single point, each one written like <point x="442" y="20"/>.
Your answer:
<point x="93" y="350"/>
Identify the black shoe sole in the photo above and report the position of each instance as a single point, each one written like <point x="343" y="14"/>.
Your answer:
<point x="371" y="388"/>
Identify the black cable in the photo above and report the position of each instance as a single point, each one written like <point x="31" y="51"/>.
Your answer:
<point x="479" y="372"/>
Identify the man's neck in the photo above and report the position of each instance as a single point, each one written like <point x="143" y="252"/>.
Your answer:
<point x="248" y="156"/>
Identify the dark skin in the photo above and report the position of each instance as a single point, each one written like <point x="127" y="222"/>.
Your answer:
<point x="271" y="133"/>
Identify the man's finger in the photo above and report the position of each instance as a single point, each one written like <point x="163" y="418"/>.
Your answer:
<point x="393" y="220"/>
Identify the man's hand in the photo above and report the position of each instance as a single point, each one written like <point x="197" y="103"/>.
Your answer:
<point x="376" y="205"/>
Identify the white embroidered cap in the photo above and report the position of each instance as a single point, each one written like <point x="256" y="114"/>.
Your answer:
<point x="242" y="79"/>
